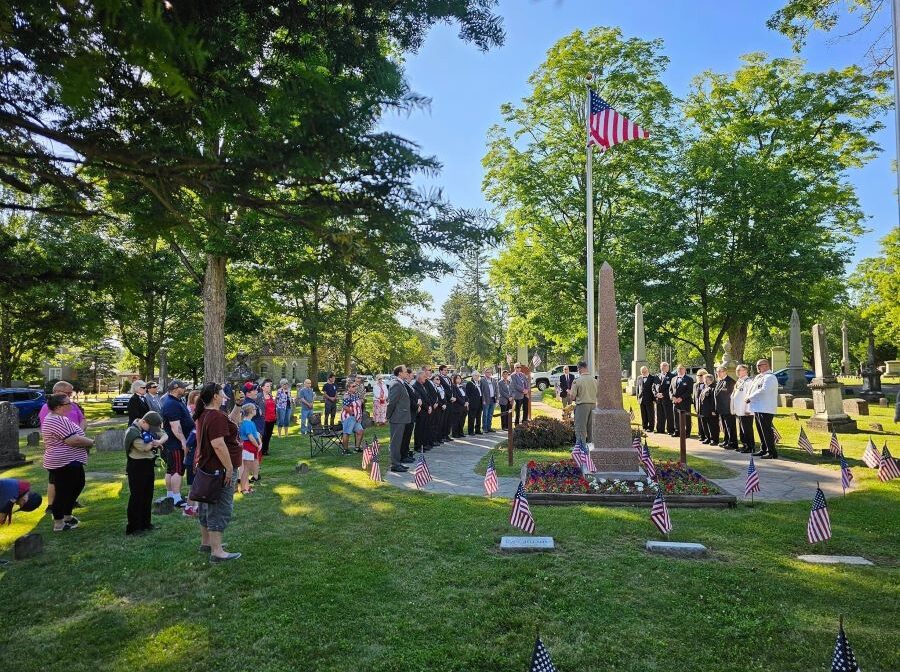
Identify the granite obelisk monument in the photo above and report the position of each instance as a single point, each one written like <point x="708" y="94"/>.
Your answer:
<point x="639" y="358"/>
<point x="796" y="374"/>
<point x="827" y="392"/>
<point x="611" y="427"/>
<point x="845" y="349"/>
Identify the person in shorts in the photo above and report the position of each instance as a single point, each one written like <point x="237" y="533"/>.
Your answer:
<point x="251" y="442"/>
<point x="178" y="425"/>
<point x="351" y="419"/>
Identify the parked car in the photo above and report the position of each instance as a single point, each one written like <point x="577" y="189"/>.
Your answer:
<point x="120" y="404"/>
<point x="370" y="382"/>
<point x="782" y="375"/>
<point x="27" y="401"/>
<point x="544" y="379"/>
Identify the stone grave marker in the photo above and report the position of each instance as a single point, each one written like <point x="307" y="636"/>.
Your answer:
<point x="796" y="373"/>
<point x="28" y="546"/>
<point x="677" y="549"/>
<point x="883" y="401"/>
<point x="302" y="468"/>
<point x="803" y="402"/>
<point x="33" y="439"/>
<point x="856" y="406"/>
<point x="110" y="440"/>
<point x="163" y="506"/>
<point x="9" y="437"/>
<point x="876" y="426"/>
<point x="835" y="559"/>
<point x="512" y="544"/>
<point x="827" y="392"/>
<point x="785" y="400"/>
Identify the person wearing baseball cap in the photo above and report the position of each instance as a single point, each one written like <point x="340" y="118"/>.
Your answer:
<point x="143" y="439"/>
<point x="178" y="425"/>
<point x="16" y="492"/>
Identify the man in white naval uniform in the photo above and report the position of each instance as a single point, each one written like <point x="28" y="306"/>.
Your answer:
<point x="763" y="401"/>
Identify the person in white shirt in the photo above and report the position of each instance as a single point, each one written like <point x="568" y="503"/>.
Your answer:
<point x="741" y="411"/>
<point x="763" y="402"/>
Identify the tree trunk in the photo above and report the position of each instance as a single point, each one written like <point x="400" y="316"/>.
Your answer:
<point x="312" y="370"/>
<point x="214" y="319"/>
<point x="737" y="335"/>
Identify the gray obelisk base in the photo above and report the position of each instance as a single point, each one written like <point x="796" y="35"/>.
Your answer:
<point x="612" y="452"/>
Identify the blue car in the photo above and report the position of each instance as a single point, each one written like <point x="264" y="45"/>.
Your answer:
<point x="28" y="401"/>
<point x="782" y="374"/>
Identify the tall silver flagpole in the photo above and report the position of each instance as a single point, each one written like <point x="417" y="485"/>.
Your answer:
<point x="895" y="15"/>
<point x="589" y="203"/>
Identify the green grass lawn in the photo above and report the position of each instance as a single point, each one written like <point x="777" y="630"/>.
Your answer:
<point x="340" y="573"/>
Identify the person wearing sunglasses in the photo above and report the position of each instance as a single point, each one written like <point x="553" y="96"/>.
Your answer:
<point x="137" y="405"/>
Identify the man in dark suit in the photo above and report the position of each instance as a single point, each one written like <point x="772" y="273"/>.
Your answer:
<point x="565" y="384"/>
<point x="645" y="386"/>
<point x="447" y="422"/>
<point x="473" y="394"/>
<point x="398" y="416"/>
<point x="440" y="410"/>
<point x="415" y="404"/>
<point x="681" y="392"/>
<point x="665" y="422"/>
<point x="423" y="430"/>
<point x="723" y="390"/>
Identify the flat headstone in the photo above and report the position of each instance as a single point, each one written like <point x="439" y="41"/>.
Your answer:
<point x="835" y="559"/>
<point x="677" y="549"/>
<point x="802" y="402"/>
<point x="33" y="440"/>
<point x="876" y="426"/>
<point x="28" y="546"/>
<point x="856" y="406"/>
<point x="883" y="401"/>
<point x="784" y="400"/>
<point x="163" y="506"/>
<point x="110" y="440"/>
<point x="526" y="544"/>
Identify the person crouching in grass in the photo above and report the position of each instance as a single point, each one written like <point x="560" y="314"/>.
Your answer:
<point x="16" y="492"/>
<point x="251" y="444"/>
<point x="143" y="439"/>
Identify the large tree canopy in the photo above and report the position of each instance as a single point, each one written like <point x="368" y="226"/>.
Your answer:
<point x="208" y="122"/>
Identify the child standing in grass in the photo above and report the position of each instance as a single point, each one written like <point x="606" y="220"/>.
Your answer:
<point x="250" y="436"/>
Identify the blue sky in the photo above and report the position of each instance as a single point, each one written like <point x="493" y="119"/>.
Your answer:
<point x="467" y="87"/>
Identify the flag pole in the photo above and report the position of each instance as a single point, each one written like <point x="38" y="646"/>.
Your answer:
<point x="589" y="242"/>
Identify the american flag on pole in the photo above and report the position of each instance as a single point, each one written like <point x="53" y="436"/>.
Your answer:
<point x="636" y="444"/>
<point x="835" y="445"/>
<point x="843" y="659"/>
<point x="631" y="414"/>
<point x="659" y="514"/>
<point x="888" y="470"/>
<point x="375" y="471"/>
<point x="367" y="456"/>
<point x="819" y="526"/>
<point x="777" y="434"/>
<point x="490" y="479"/>
<point x="846" y="474"/>
<point x="535" y="361"/>
<point x="540" y="659"/>
<point x="647" y="461"/>
<point x="752" y="478"/>
<point x="422" y="473"/>
<point x="582" y="457"/>
<point x="871" y="456"/>
<point x="804" y="443"/>
<point x="375" y="447"/>
<point x="606" y="127"/>
<point x="521" y="515"/>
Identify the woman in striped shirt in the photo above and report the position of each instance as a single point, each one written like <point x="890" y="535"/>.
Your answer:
<point x="65" y="455"/>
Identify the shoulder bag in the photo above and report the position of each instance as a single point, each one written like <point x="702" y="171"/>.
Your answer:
<point x="207" y="486"/>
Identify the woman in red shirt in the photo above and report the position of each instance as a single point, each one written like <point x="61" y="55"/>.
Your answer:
<point x="269" y="415"/>
<point x="218" y="452"/>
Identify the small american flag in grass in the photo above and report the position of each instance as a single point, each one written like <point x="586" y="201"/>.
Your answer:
<point x="582" y="458"/>
<point x="846" y="474"/>
<point x="843" y="659"/>
<point x="375" y="471"/>
<point x="659" y="514"/>
<point x="366" y="456"/>
<point x="752" y="478"/>
<point x="871" y="456"/>
<point x="888" y="470"/>
<point x="819" y="526"/>
<point x="647" y="461"/>
<point x="631" y="414"/>
<point x="804" y="442"/>
<point x="422" y="473"/>
<point x="777" y="434"/>
<point x="835" y="446"/>
<point x="636" y="444"/>
<point x="540" y="658"/>
<point x="376" y="449"/>
<point x="490" y="478"/>
<point x="521" y="515"/>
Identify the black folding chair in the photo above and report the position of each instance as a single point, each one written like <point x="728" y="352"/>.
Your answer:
<point x="323" y="439"/>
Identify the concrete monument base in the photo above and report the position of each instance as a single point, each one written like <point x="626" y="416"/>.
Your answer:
<point x="828" y="404"/>
<point x="612" y="450"/>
